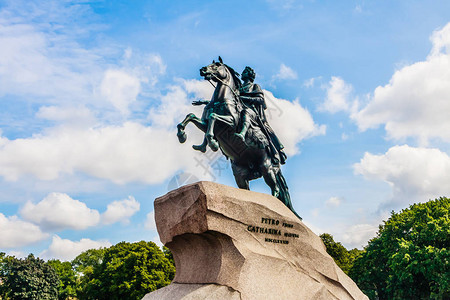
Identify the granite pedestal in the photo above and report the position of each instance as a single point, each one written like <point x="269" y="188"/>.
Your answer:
<point x="230" y="243"/>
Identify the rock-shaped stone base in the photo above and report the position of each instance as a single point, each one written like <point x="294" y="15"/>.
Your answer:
<point x="192" y="291"/>
<point x="230" y="243"/>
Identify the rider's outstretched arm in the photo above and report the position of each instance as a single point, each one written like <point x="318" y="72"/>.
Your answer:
<point x="200" y="102"/>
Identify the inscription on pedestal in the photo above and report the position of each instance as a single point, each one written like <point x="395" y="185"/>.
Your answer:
<point x="277" y="228"/>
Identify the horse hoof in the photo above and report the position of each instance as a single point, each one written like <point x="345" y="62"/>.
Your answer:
<point x="276" y="194"/>
<point x="213" y="145"/>
<point x="200" y="148"/>
<point x="181" y="136"/>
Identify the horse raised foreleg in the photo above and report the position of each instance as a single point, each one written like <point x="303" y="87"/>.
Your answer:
<point x="212" y="143"/>
<point x="203" y="126"/>
<point x="202" y="146"/>
<point x="213" y="117"/>
<point x="181" y="126"/>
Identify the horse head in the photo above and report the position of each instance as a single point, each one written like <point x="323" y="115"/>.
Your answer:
<point x="216" y="71"/>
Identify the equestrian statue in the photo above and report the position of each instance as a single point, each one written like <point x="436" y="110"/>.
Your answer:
<point x="234" y="122"/>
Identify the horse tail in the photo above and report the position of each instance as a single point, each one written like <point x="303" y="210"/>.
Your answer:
<point x="284" y="192"/>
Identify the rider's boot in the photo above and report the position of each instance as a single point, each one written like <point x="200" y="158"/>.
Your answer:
<point x="245" y="125"/>
<point x="241" y="136"/>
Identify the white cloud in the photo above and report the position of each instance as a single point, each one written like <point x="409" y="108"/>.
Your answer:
<point x="120" y="210"/>
<point x="131" y="152"/>
<point x="17" y="254"/>
<point x="79" y="116"/>
<point x="67" y="250"/>
<point x="285" y="72"/>
<point x="120" y="88"/>
<point x="156" y="64"/>
<point x="357" y="236"/>
<point x="291" y="122"/>
<point x="44" y="61"/>
<point x="176" y="103"/>
<point x="147" y="67"/>
<point x="415" y="174"/>
<point x="314" y="228"/>
<point x="333" y="202"/>
<point x="17" y="233"/>
<point x="309" y="83"/>
<point x="416" y="101"/>
<point x="202" y="89"/>
<point x="150" y="221"/>
<point x="441" y="41"/>
<point x="123" y="153"/>
<point x="58" y="211"/>
<point x="338" y="92"/>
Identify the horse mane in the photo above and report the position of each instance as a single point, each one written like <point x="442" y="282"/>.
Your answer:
<point x="235" y="76"/>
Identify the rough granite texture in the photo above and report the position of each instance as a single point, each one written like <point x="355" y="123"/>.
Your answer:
<point x="221" y="252"/>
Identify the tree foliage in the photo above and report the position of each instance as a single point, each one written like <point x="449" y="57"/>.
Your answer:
<point x="88" y="260"/>
<point x="409" y="258"/>
<point x="67" y="278"/>
<point x="123" y="271"/>
<point x="343" y="257"/>
<point x="126" y="271"/>
<point x="29" y="278"/>
<point x="84" y="265"/>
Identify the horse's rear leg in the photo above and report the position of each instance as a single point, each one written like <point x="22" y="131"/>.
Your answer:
<point x="269" y="175"/>
<point x="241" y="175"/>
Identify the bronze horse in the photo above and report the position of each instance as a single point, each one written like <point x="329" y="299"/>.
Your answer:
<point x="250" y="159"/>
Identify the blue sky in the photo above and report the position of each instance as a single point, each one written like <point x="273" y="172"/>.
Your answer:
<point x="91" y="92"/>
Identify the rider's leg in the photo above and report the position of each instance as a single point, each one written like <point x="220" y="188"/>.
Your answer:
<point x="245" y="124"/>
<point x="269" y="171"/>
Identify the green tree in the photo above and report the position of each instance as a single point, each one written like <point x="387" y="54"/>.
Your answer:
<point x="409" y="258"/>
<point x="3" y="289"/>
<point x="89" y="259"/>
<point x="29" y="278"/>
<point x="127" y="271"/>
<point x="67" y="279"/>
<point x="84" y="265"/>
<point x="343" y="257"/>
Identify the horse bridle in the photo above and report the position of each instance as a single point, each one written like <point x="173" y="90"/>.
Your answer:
<point x="224" y="83"/>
